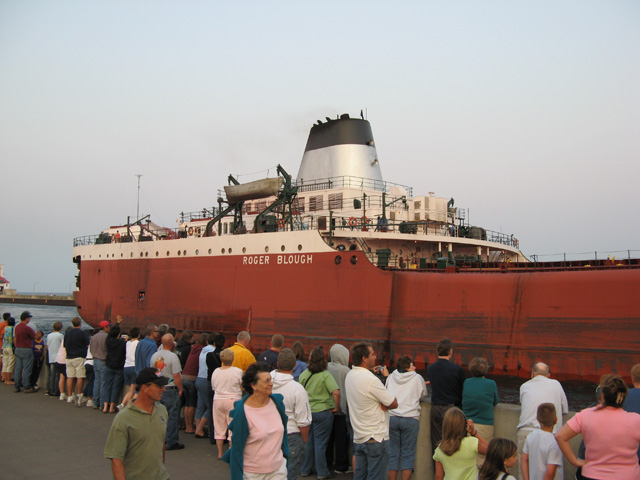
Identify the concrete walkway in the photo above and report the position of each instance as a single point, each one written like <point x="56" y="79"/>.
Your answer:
<point x="44" y="438"/>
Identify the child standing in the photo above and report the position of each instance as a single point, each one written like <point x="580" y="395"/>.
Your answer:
<point x="541" y="457"/>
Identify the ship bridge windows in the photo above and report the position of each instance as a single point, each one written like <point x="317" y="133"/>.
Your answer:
<point x="298" y="205"/>
<point x="315" y="203"/>
<point x="335" y="201"/>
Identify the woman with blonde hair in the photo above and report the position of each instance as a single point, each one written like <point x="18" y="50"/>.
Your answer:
<point x="226" y="382"/>
<point x="456" y="454"/>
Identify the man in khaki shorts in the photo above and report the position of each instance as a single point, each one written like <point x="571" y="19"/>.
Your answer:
<point x="76" y="342"/>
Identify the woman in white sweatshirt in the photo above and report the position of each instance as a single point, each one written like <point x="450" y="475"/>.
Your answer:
<point x="410" y="389"/>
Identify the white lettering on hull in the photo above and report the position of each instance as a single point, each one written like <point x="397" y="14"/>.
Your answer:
<point x="296" y="259"/>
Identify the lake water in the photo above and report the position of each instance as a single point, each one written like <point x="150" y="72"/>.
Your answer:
<point x="580" y="394"/>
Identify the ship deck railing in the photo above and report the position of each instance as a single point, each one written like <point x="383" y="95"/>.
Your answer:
<point x="349" y="181"/>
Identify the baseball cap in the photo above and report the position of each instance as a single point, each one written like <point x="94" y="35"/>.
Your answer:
<point x="151" y="375"/>
<point x="104" y="323"/>
<point x="25" y="315"/>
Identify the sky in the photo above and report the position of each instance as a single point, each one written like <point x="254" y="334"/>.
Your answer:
<point x="527" y="113"/>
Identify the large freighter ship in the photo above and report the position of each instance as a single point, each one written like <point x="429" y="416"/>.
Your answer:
<point x="340" y="255"/>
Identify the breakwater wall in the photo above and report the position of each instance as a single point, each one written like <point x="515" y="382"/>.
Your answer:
<point x="506" y="418"/>
<point x="62" y="300"/>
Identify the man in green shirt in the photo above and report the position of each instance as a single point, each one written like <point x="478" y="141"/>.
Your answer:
<point x="135" y="444"/>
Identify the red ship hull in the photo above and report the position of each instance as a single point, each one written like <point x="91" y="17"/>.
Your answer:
<point x="582" y="323"/>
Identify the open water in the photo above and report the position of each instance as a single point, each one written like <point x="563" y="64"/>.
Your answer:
<point x="580" y="394"/>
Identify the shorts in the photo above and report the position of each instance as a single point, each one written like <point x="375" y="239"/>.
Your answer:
<point x="189" y="393"/>
<point x="129" y="376"/>
<point x="8" y="360"/>
<point x="75" y="368"/>
<point x="61" y="369"/>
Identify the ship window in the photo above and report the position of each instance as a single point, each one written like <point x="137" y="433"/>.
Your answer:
<point x="184" y="252"/>
<point x="157" y="254"/>
<point x="416" y="216"/>
<point x="299" y="248"/>
<point x="335" y="201"/>
<point x="99" y="256"/>
<point x="226" y="226"/>
<point x="298" y="205"/>
<point x="229" y="250"/>
<point x="282" y="248"/>
<point x="244" y="249"/>
<point x="315" y="203"/>
<point x="141" y="254"/>
<point x="168" y="253"/>
<point x="266" y="249"/>
<point x="223" y="250"/>
<point x="131" y="255"/>
<point x="197" y="252"/>
<point x="121" y="255"/>
<point x="392" y="215"/>
<point x="179" y="252"/>
<point x="209" y="251"/>
<point x="417" y="205"/>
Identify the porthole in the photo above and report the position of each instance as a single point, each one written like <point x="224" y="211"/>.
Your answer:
<point x="122" y="255"/>
<point x="131" y="255"/>
<point x="141" y="254"/>
<point x="168" y="253"/>
<point x="223" y="250"/>
<point x="146" y="254"/>
<point x="209" y="251"/>
<point x="157" y="254"/>
<point x="184" y="252"/>
<point x="179" y="253"/>
<point x="282" y="248"/>
<point x="229" y="250"/>
<point x="244" y="249"/>
<point x="197" y="252"/>
<point x="266" y="249"/>
<point x="299" y="248"/>
<point x="100" y="256"/>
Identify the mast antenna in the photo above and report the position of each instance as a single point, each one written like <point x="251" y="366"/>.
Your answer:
<point x="138" y="206"/>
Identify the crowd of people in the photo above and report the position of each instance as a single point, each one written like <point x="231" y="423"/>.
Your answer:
<point x="285" y="415"/>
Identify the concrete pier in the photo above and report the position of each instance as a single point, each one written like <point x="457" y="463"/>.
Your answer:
<point x="45" y="438"/>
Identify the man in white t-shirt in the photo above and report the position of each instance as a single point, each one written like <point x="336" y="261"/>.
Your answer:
<point x="368" y="402"/>
<point x="540" y="389"/>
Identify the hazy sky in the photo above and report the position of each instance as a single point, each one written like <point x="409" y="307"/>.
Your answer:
<point x="527" y="113"/>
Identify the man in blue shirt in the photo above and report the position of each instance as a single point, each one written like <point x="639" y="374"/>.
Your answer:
<point x="146" y="348"/>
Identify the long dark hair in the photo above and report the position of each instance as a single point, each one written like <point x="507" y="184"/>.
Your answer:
<point x="317" y="360"/>
<point x="498" y="451"/>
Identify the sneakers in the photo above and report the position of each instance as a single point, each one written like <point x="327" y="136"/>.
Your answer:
<point x="81" y="400"/>
<point x="120" y="407"/>
<point x="30" y="390"/>
<point x="63" y="396"/>
<point x="175" y="446"/>
<point x="342" y="472"/>
<point x="328" y="477"/>
<point x="89" y="403"/>
<point x="71" y="398"/>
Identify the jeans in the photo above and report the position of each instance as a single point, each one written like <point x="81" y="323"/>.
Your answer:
<point x="171" y="401"/>
<point x="296" y="455"/>
<point x="54" y="377"/>
<point x="316" y="450"/>
<point x="98" y="381"/>
<point x="203" y="408"/>
<point x="24" y="364"/>
<point x="372" y="460"/>
<point x="87" y="390"/>
<point x="113" y="381"/>
<point x="403" y="438"/>
<point x="339" y="443"/>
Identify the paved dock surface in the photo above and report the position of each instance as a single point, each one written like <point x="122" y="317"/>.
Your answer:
<point x="45" y="438"/>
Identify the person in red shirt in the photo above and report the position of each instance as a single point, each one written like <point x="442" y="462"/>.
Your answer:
<point x="24" y="337"/>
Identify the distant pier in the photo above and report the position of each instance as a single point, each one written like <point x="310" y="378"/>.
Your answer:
<point x="61" y="300"/>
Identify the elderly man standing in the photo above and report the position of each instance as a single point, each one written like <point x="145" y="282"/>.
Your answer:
<point x="169" y="364"/>
<point x="368" y="402"/>
<point x="540" y="389"/>
<point x="298" y="410"/>
<point x="135" y="444"/>
<point x="24" y="336"/>
<point x="242" y="356"/>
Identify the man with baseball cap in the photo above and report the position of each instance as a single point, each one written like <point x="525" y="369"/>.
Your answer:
<point x="136" y="440"/>
<point x="24" y="336"/>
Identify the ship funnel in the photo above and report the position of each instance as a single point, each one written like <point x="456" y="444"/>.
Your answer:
<point x="340" y="147"/>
